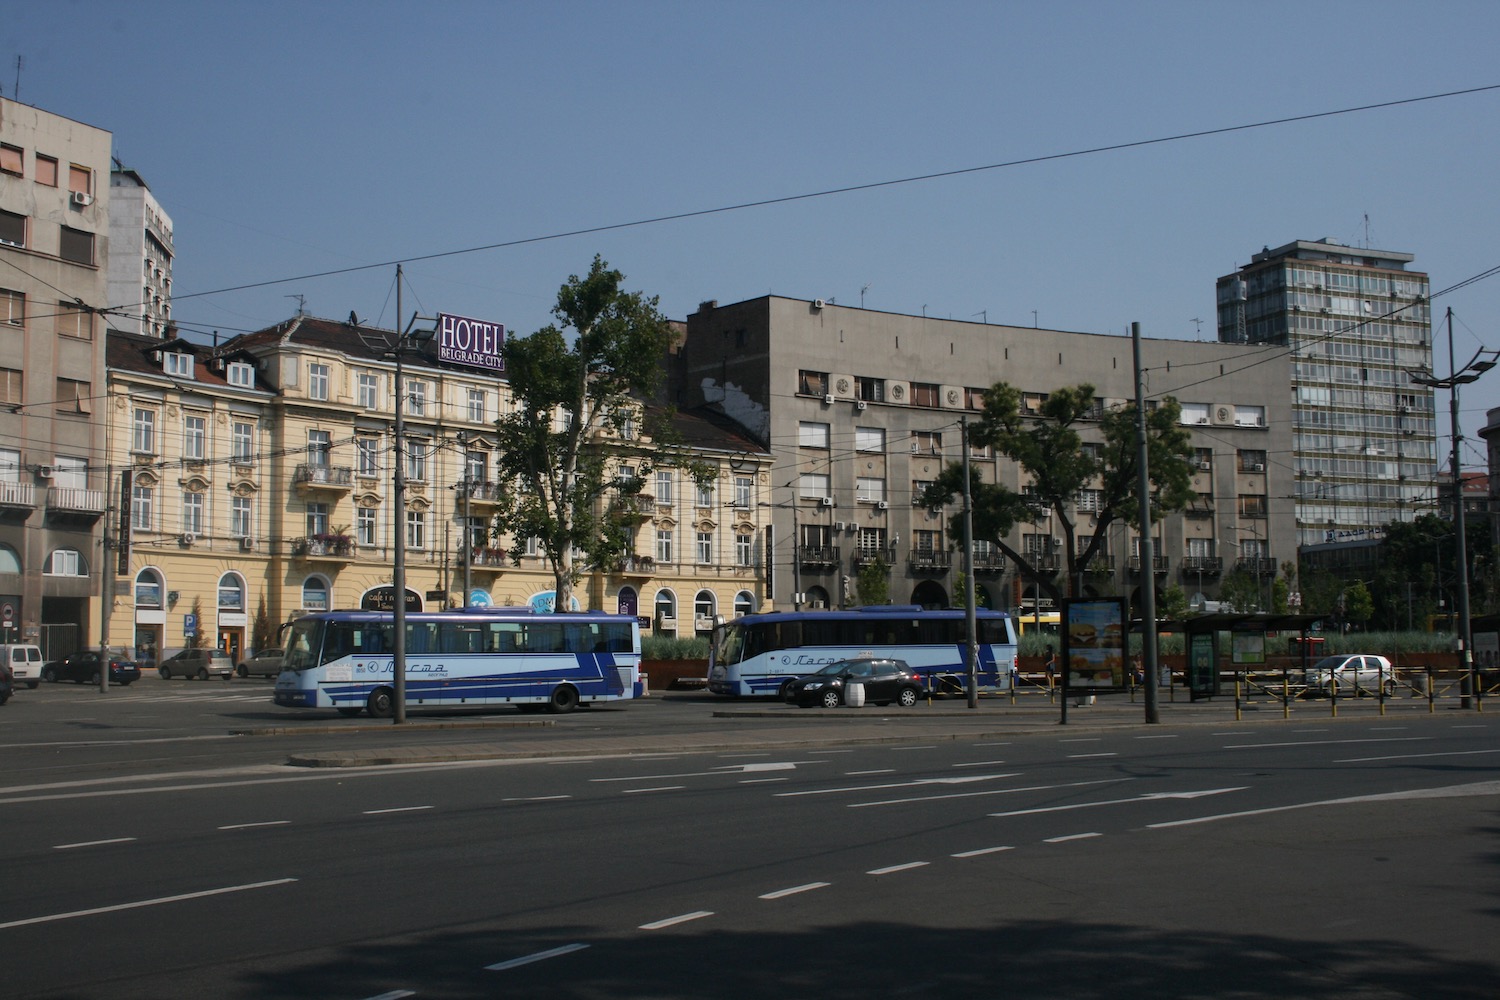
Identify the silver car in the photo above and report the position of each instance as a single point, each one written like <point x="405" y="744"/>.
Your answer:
<point x="262" y="663"/>
<point x="197" y="663"/>
<point x="1350" y="673"/>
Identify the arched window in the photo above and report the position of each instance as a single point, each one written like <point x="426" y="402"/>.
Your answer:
<point x="148" y="589"/>
<point x="744" y="603"/>
<point x="10" y="562"/>
<point x="66" y="562"/>
<point x="666" y="612"/>
<point x="315" y="594"/>
<point x="231" y="592"/>
<point x="705" y="606"/>
<point x="817" y="598"/>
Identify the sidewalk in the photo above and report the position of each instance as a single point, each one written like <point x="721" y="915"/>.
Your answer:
<point x="773" y="726"/>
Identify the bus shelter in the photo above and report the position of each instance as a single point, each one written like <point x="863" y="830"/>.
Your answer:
<point x="1242" y="636"/>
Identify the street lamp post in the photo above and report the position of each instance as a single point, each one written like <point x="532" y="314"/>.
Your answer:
<point x="1482" y="362"/>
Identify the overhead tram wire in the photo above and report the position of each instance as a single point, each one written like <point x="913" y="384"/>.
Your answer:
<point x="846" y="189"/>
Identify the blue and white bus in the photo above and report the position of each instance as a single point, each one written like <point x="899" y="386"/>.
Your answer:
<point x="760" y="654"/>
<point x="473" y="657"/>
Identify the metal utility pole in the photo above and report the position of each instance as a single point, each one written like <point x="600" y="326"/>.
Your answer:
<point x="398" y="561"/>
<point x="971" y="625"/>
<point x="1148" y="554"/>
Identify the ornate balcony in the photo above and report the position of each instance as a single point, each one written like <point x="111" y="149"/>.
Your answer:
<point x="824" y="557"/>
<point x="930" y="560"/>
<point x="483" y="494"/>
<point x="317" y="478"/>
<point x="17" y="498"/>
<point x="636" y="566"/>
<point x="1159" y="565"/>
<point x="993" y="562"/>
<point x="1102" y="564"/>
<point x="325" y="547"/>
<point x="1259" y="566"/>
<point x="863" y="559"/>
<point x="75" y="503"/>
<point x="1195" y="566"/>
<point x="491" y="559"/>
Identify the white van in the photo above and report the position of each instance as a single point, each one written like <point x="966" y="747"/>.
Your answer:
<point x="25" y="662"/>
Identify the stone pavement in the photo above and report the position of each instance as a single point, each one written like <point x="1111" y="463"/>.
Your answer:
<point x="741" y="726"/>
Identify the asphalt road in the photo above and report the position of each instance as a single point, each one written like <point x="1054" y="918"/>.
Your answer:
<point x="1314" y="858"/>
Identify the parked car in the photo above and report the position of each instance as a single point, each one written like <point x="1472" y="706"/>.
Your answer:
<point x="1347" y="673"/>
<point x="262" y="663"/>
<point x="82" y="667"/>
<point x="885" y="681"/>
<point x="199" y="663"/>
<point x="25" y="662"/>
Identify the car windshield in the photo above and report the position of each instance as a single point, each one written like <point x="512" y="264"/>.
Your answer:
<point x="837" y="667"/>
<point x="1330" y="663"/>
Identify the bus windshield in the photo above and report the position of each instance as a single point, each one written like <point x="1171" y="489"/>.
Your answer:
<point x="731" y="644"/>
<point x="303" y="644"/>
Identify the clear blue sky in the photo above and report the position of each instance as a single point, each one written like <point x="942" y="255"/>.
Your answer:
<point x="286" y="139"/>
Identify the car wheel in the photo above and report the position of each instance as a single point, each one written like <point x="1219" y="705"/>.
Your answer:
<point x="1333" y="689"/>
<point x="381" y="703"/>
<point x="908" y="697"/>
<point x="31" y="685"/>
<point x="165" y="672"/>
<point x="94" y="680"/>
<point x="202" y="674"/>
<point x="830" y="699"/>
<point x="242" y="670"/>
<point x="49" y="675"/>
<point x="564" y="699"/>
<point x="1389" y="687"/>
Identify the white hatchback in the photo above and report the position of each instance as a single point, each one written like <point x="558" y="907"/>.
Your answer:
<point x="1352" y="673"/>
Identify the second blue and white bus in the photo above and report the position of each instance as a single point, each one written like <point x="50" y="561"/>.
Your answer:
<point x="760" y="654"/>
<point x="470" y="657"/>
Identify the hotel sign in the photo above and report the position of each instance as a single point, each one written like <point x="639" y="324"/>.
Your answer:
<point x="474" y="343"/>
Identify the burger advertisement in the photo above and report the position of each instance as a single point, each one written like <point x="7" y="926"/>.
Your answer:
<point x="1094" y="643"/>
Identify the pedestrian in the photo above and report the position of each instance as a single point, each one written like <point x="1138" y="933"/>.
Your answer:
<point x="1050" y="666"/>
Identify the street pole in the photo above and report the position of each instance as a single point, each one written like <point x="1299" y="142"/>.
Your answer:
<point x="971" y="624"/>
<point x="398" y="562"/>
<point x="796" y="554"/>
<point x="1465" y="629"/>
<point x="468" y="535"/>
<point x="1148" y="552"/>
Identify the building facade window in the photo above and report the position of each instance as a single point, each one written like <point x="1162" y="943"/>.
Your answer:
<point x="73" y="396"/>
<point x="73" y="321"/>
<point x="315" y="594"/>
<point x="366" y="456"/>
<point x="192" y="513"/>
<point x="142" y="507"/>
<point x="744" y="491"/>
<point x="364" y="525"/>
<point x="317" y="519"/>
<point x="12" y="386"/>
<point x="241" y="517"/>
<point x="416" y="398"/>
<point x="810" y="383"/>
<point x="194" y="438"/>
<point x="46" y="170"/>
<point x="368" y="390"/>
<point x="744" y="549"/>
<point x="705" y="494"/>
<point x="664" y="545"/>
<point x="664" y="486"/>
<point x="811" y="434"/>
<point x="416" y="529"/>
<point x="76" y="245"/>
<point x="240" y="374"/>
<point x="705" y="548"/>
<point x="317" y="381"/>
<point x="143" y="432"/>
<point x="65" y="562"/>
<point x="12" y="229"/>
<point x="477" y="405"/>
<point x="178" y="365"/>
<point x="12" y="307"/>
<point x="869" y="489"/>
<point x="813" y="486"/>
<point x="416" y="461"/>
<point x="925" y="394"/>
<point x="242" y="442"/>
<point x="319" y="449"/>
<point x="12" y="159"/>
<point x="869" y="439"/>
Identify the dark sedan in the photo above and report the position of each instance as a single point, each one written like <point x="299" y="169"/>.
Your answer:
<point x="884" y="681"/>
<point x="83" y="668"/>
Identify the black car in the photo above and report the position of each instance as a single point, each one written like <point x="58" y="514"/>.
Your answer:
<point x="885" y="681"/>
<point x="83" y="668"/>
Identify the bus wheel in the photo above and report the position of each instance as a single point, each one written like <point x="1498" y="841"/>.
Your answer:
<point x="564" y="699"/>
<point x="382" y="703"/>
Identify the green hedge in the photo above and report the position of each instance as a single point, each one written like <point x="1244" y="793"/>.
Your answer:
<point x="664" y="647"/>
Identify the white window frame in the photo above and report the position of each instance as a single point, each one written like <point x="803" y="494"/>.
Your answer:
<point x="317" y="381"/>
<point x="813" y="434"/>
<point x="369" y="391"/>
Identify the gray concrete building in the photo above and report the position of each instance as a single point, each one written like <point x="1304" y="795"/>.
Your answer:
<point x="861" y="409"/>
<point x="140" y="257"/>
<point x="1356" y="322"/>
<point x="54" y="246"/>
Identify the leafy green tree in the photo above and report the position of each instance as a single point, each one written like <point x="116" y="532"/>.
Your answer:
<point x="577" y="411"/>
<point x="1050" y="449"/>
<point x="1172" y="603"/>
<point x="1358" y="605"/>
<point x="873" y="585"/>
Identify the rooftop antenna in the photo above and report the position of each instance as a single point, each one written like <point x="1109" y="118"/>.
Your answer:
<point x="983" y="314"/>
<point x="15" y="93"/>
<point x="301" y="303"/>
<point x="862" y="291"/>
<point x="1198" y="324"/>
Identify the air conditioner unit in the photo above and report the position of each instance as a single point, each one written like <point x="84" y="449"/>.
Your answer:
<point x="1206" y="466"/>
<point x="82" y="198"/>
<point x="860" y="404"/>
<point x="828" y="399"/>
<point x="247" y="544"/>
<point x="881" y="505"/>
<point x="817" y="303"/>
<point x="827" y="501"/>
<point x="187" y="538"/>
<point x="46" y="471"/>
<point x="838" y="525"/>
<point x="1257" y="467"/>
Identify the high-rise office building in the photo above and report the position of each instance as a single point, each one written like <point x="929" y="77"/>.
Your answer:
<point x="140" y="257"/>
<point x="1356" y="321"/>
